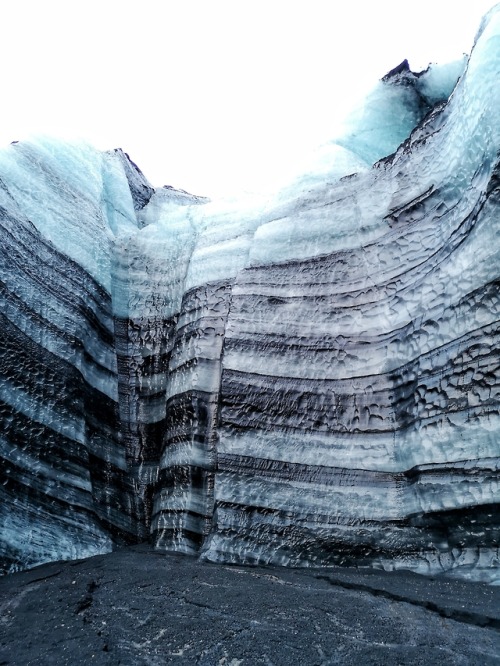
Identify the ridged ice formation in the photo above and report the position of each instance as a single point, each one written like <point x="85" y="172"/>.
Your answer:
<point x="310" y="379"/>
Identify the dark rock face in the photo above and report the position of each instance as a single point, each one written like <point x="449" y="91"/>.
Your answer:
<point x="307" y="380"/>
<point x="136" y="606"/>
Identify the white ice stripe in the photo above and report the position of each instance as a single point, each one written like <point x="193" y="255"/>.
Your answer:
<point x="201" y="314"/>
<point x="75" y="498"/>
<point x="204" y="376"/>
<point x="467" y="269"/>
<point x="371" y="270"/>
<point x="365" y="503"/>
<point x="42" y="301"/>
<point x="80" y="478"/>
<point x="186" y="453"/>
<point x="49" y="308"/>
<point x="426" y="334"/>
<point x="451" y="491"/>
<point x="373" y="502"/>
<point x="345" y="222"/>
<point x="149" y="385"/>
<point x="109" y="451"/>
<point x="285" y="524"/>
<point x="354" y="451"/>
<point x="204" y="344"/>
<point x="69" y="425"/>
<point x="218" y="262"/>
<point x="100" y="378"/>
<point x="334" y="364"/>
<point x="478" y="564"/>
<point x="185" y="522"/>
<point x="43" y="537"/>
<point x="450" y="438"/>
<point x="186" y="499"/>
<point x="308" y="320"/>
<point x="431" y="346"/>
<point x="229" y="547"/>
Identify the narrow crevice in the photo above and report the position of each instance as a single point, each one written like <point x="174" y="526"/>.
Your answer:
<point x="464" y="616"/>
<point x="42" y="578"/>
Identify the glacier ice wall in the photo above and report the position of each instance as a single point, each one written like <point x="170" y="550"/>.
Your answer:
<point x="305" y="379"/>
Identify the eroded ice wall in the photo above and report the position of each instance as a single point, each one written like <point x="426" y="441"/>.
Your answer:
<point x="306" y="379"/>
<point x="62" y="492"/>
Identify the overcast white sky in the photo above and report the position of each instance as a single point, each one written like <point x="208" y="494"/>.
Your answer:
<point x="211" y="96"/>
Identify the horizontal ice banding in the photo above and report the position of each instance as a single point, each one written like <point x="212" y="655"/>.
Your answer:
<point x="304" y="378"/>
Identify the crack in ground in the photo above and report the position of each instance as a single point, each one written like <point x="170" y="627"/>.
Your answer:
<point x="88" y="598"/>
<point x="41" y="578"/>
<point x="466" y="617"/>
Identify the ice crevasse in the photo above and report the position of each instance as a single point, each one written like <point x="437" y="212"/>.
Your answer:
<point x="304" y="379"/>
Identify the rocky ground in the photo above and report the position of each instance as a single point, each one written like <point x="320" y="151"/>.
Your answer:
<point x="136" y="606"/>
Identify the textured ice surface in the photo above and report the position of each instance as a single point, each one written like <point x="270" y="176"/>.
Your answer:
<point x="395" y="106"/>
<point x="307" y="378"/>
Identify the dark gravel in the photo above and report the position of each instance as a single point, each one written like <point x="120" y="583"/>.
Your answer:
<point x="136" y="606"/>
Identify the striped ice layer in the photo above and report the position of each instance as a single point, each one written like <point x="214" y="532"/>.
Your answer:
<point x="305" y="379"/>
